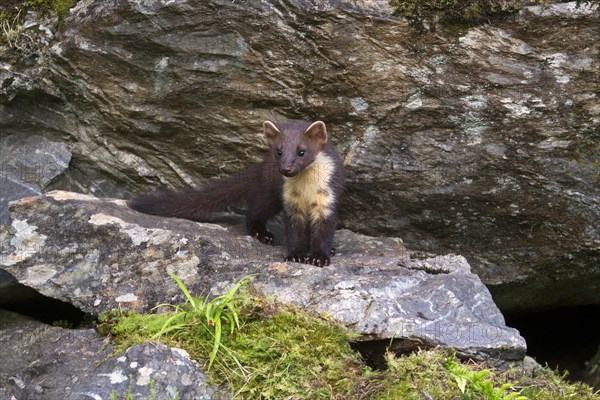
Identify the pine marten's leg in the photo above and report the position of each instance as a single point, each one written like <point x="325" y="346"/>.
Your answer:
<point x="296" y="230"/>
<point x="321" y="240"/>
<point x="264" y="203"/>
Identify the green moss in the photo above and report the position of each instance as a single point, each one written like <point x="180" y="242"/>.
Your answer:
<point x="435" y="374"/>
<point x="291" y="353"/>
<point x="459" y="12"/>
<point x="453" y="11"/>
<point x="21" y="45"/>
<point x="60" y="8"/>
<point x="283" y="352"/>
<point x="417" y="376"/>
<point x="276" y="351"/>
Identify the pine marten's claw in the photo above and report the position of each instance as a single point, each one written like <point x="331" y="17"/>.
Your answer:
<point x="293" y="257"/>
<point x="320" y="260"/>
<point x="265" y="237"/>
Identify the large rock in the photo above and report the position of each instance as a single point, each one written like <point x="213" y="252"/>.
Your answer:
<point x="40" y="362"/>
<point x="480" y="141"/>
<point x="100" y="255"/>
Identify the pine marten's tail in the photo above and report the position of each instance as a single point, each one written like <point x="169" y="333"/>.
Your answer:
<point x="195" y="204"/>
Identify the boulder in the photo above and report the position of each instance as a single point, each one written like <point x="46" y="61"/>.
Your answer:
<point x="481" y="141"/>
<point x="41" y="362"/>
<point x="98" y="255"/>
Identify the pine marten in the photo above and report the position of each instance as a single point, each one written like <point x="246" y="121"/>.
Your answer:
<point x="302" y="174"/>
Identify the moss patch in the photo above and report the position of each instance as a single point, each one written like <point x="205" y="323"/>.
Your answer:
<point x="21" y="43"/>
<point x="279" y="351"/>
<point x="459" y="12"/>
<point x="453" y="11"/>
<point x="60" y="8"/>
<point x="433" y="374"/>
<point x="283" y="352"/>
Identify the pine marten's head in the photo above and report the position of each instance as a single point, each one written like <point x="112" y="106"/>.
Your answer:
<point x="295" y="145"/>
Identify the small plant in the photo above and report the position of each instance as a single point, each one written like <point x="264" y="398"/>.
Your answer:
<point x="477" y="385"/>
<point x="62" y="323"/>
<point x="24" y="28"/>
<point x="218" y="312"/>
<point x="12" y="29"/>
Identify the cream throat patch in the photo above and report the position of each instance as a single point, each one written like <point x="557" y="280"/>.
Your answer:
<point x="308" y="195"/>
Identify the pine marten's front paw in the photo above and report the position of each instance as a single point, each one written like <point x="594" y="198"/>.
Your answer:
<point x="267" y="238"/>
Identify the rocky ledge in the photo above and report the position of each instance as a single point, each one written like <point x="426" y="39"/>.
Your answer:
<point x="98" y="255"/>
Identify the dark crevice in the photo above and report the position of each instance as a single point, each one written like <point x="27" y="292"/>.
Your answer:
<point x="29" y="302"/>
<point x="373" y="351"/>
<point x="564" y="338"/>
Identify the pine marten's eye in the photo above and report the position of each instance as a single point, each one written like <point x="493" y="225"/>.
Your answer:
<point x="301" y="153"/>
<point x="279" y="152"/>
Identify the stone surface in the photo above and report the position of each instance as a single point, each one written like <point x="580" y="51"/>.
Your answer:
<point x="480" y="141"/>
<point x="100" y="255"/>
<point x="28" y="164"/>
<point x="49" y="363"/>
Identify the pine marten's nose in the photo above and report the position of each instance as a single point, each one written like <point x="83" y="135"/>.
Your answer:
<point x="286" y="171"/>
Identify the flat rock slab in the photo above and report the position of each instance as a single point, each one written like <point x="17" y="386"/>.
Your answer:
<point x="99" y="255"/>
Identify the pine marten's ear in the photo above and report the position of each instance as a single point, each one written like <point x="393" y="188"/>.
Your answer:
<point x="317" y="132"/>
<point x="271" y="132"/>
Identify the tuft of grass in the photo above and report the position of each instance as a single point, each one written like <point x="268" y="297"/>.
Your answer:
<point x="218" y="312"/>
<point x="12" y="32"/>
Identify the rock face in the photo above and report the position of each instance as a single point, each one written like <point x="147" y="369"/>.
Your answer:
<point x="100" y="255"/>
<point x="49" y="363"/>
<point x="483" y="142"/>
<point x="28" y="164"/>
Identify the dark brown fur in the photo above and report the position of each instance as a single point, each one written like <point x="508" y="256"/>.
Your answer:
<point x="293" y="149"/>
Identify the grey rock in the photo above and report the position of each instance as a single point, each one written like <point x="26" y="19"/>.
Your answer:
<point x="35" y="160"/>
<point x="28" y="164"/>
<point x="481" y="142"/>
<point x="99" y="255"/>
<point x="148" y="368"/>
<point x="12" y="189"/>
<point x="49" y="363"/>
